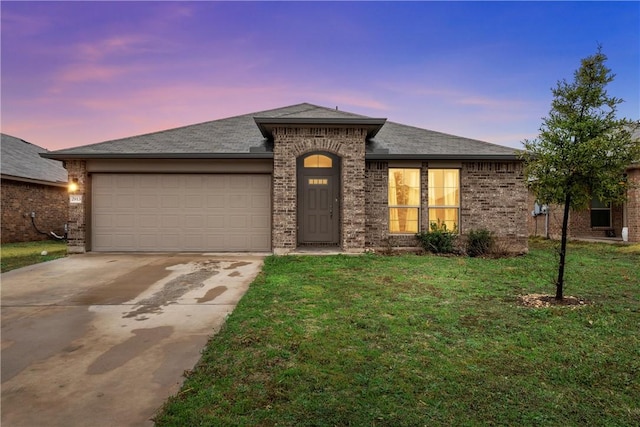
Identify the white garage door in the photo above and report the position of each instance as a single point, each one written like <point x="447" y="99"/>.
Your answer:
<point x="181" y="212"/>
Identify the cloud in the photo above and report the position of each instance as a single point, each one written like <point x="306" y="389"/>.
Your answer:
<point x="17" y="24"/>
<point x="79" y="73"/>
<point x="110" y="46"/>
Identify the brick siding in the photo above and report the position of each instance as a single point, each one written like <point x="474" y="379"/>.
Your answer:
<point x="77" y="239"/>
<point x="493" y="196"/>
<point x="633" y="203"/>
<point x="579" y="221"/>
<point x="291" y="143"/>
<point x="19" y="199"/>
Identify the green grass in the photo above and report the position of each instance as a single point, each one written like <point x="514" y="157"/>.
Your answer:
<point x="424" y="340"/>
<point x="16" y="255"/>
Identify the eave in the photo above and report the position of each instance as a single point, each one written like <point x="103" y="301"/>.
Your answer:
<point x="269" y="155"/>
<point x="471" y="157"/>
<point x="83" y="156"/>
<point x="33" y="181"/>
<point x="267" y="124"/>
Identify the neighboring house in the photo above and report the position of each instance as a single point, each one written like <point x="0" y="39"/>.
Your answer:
<point x="287" y="178"/>
<point x="34" y="193"/>
<point x="599" y="221"/>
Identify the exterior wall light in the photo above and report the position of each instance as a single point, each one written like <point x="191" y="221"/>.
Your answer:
<point x="73" y="185"/>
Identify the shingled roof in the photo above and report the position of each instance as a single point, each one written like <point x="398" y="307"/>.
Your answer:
<point x="21" y="160"/>
<point x="241" y="137"/>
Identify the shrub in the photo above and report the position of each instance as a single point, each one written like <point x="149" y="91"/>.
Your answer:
<point x="479" y="242"/>
<point x="438" y="239"/>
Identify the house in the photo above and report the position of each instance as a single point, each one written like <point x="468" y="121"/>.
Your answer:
<point x="287" y="178"/>
<point x="599" y="221"/>
<point x="34" y="192"/>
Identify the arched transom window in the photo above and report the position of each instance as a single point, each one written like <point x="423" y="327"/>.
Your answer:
<point x="318" y="161"/>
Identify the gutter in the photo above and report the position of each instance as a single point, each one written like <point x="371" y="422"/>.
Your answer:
<point x="34" y="181"/>
<point x="269" y="155"/>
<point x="86" y="156"/>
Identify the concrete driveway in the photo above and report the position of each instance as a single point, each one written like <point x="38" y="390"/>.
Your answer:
<point x="104" y="339"/>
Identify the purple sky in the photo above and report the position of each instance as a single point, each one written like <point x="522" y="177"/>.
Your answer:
<point x="75" y="73"/>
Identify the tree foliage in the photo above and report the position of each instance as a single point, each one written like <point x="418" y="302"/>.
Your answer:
<point x="582" y="150"/>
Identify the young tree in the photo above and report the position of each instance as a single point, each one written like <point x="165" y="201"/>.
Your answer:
<point x="582" y="150"/>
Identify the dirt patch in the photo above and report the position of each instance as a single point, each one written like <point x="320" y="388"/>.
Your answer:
<point x="542" y="300"/>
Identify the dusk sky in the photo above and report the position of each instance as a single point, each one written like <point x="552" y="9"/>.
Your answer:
<point x="75" y="73"/>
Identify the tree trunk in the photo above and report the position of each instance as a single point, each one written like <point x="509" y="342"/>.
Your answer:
<point x="563" y="247"/>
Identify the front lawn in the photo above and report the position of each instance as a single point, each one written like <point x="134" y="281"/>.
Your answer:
<point x="16" y="255"/>
<point x="425" y="340"/>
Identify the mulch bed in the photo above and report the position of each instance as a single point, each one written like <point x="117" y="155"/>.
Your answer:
<point x="542" y="300"/>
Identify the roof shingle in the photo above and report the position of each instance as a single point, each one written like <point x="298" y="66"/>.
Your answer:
<point x="22" y="159"/>
<point x="241" y="136"/>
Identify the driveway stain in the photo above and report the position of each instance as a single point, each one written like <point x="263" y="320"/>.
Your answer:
<point x="170" y="293"/>
<point x="65" y="363"/>
<point x="121" y="353"/>
<point x="128" y="286"/>
<point x="236" y="265"/>
<point x="235" y="274"/>
<point x="212" y="294"/>
<point x="57" y="329"/>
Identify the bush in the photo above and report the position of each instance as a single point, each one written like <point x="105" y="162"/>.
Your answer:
<point x="479" y="242"/>
<point x="438" y="239"/>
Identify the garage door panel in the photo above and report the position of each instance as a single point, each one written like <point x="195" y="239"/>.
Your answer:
<point x="193" y="201"/>
<point x="148" y="220"/>
<point x="156" y="212"/>
<point x="238" y="201"/>
<point x="170" y="221"/>
<point x="148" y="201"/>
<point x="170" y="181"/>
<point x="215" y="222"/>
<point x="261" y="201"/>
<point x="170" y="201"/>
<point x="197" y="222"/>
<point x="148" y="241"/>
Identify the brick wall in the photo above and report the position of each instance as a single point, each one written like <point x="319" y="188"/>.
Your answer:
<point x="493" y="196"/>
<point x="19" y="199"/>
<point x="77" y="238"/>
<point x="633" y="204"/>
<point x="579" y="222"/>
<point x="376" y="195"/>
<point x="292" y="142"/>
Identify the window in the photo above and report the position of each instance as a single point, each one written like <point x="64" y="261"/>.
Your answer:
<point x="318" y="161"/>
<point x="600" y="214"/>
<point x="404" y="200"/>
<point x="318" y="181"/>
<point x="444" y="197"/>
